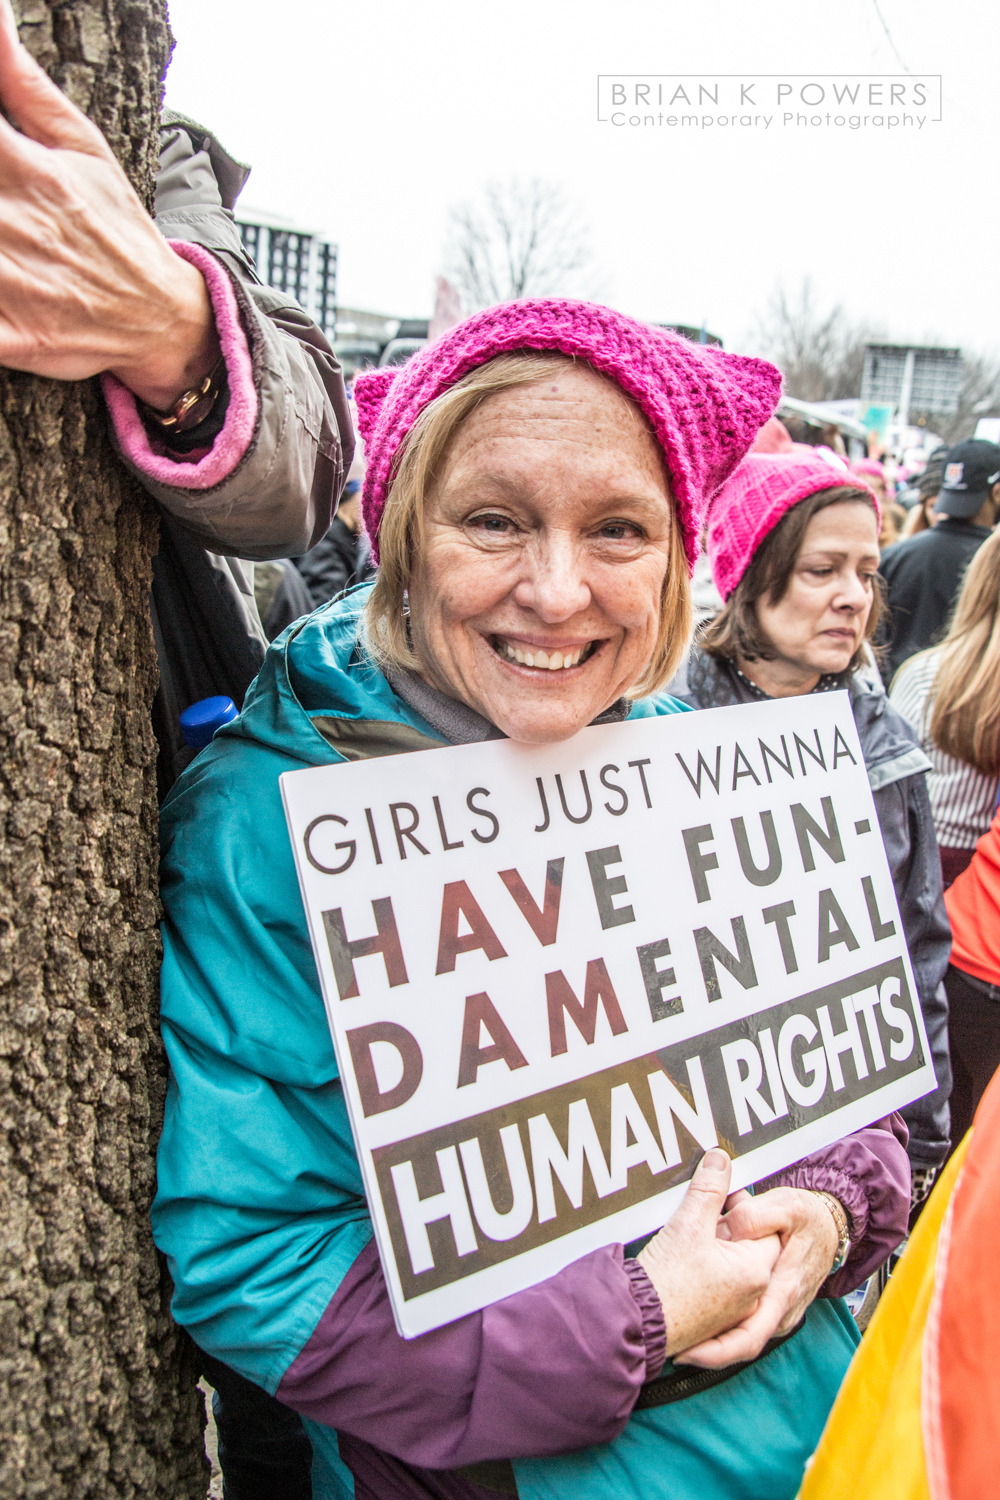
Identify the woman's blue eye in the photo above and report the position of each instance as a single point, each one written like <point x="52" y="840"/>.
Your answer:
<point x="492" y="523"/>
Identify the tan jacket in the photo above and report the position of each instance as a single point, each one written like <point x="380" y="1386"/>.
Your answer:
<point x="280" y="498"/>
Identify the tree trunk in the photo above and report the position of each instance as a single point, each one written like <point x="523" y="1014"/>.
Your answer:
<point x="97" y="1389"/>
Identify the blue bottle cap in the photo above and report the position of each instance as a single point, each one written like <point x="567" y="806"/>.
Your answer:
<point x="200" y="721"/>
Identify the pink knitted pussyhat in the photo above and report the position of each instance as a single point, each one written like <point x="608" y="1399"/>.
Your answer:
<point x="703" y="405"/>
<point x="868" y="466"/>
<point x="750" y="505"/>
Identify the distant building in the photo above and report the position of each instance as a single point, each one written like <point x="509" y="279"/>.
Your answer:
<point x="301" y="262"/>
<point x="913" y="379"/>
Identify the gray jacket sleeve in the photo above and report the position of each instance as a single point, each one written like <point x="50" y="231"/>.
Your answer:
<point x="280" y="498"/>
<point x="904" y="815"/>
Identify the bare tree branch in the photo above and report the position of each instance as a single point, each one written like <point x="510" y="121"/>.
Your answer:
<point x="821" y="354"/>
<point x="520" y="239"/>
<point x="888" y="37"/>
<point x="822" y="357"/>
<point x="979" y="397"/>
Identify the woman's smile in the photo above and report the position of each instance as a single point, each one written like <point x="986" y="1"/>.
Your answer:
<point x="545" y="656"/>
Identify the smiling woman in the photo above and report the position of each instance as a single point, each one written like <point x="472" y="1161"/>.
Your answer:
<point x="535" y="493"/>
<point x="530" y="527"/>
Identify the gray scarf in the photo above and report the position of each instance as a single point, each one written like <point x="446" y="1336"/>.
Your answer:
<point x="456" y="722"/>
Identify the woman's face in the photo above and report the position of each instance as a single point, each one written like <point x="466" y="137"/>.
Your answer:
<point x="537" y="600"/>
<point x="820" y="623"/>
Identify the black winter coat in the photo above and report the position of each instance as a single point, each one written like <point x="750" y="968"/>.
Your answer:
<point x="897" y="773"/>
<point x="335" y="564"/>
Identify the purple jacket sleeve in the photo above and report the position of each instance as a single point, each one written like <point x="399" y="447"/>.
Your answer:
<point x="551" y="1369"/>
<point x="870" y="1173"/>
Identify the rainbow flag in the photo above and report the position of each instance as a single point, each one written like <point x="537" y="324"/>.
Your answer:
<point x="918" y="1414"/>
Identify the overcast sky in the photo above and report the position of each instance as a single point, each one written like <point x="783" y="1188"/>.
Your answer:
<point x="370" y="119"/>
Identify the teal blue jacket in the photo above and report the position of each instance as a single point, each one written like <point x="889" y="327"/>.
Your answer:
<point x="260" y="1207"/>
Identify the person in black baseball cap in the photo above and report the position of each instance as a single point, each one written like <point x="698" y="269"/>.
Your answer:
<point x="971" y="482"/>
<point x="924" y="573"/>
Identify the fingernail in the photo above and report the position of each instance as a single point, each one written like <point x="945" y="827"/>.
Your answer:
<point x="715" y="1161"/>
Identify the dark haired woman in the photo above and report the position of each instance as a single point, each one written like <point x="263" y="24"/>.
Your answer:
<point x="794" y="553"/>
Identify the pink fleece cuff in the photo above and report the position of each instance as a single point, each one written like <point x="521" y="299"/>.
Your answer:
<point x="151" y="456"/>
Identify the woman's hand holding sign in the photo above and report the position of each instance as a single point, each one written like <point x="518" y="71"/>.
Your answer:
<point x="709" y="1282"/>
<point x="808" y="1237"/>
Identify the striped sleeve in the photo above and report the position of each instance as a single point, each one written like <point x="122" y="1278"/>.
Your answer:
<point x="911" y="689"/>
<point x="962" y="799"/>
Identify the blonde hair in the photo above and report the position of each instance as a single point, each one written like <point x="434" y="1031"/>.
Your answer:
<point x="965" y="719"/>
<point x="919" y="518"/>
<point x="401" y="534"/>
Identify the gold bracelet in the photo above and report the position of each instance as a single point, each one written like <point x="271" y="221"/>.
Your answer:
<point x="840" y="1219"/>
<point x="193" y="406"/>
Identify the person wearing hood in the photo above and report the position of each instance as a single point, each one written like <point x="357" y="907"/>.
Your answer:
<point x="794" y="553"/>
<point x="535" y="494"/>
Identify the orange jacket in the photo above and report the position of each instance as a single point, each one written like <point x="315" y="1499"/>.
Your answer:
<point x="973" y="903"/>
<point x="918" y="1414"/>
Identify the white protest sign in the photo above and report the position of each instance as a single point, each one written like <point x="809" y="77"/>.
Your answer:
<point x="555" y="975"/>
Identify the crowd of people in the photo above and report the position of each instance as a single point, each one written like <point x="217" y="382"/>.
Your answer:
<point x="542" y="475"/>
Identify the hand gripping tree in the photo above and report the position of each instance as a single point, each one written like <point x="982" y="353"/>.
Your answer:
<point x="97" y="1394"/>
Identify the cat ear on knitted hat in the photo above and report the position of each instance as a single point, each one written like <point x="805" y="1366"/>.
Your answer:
<point x="370" y="390"/>
<point x="746" y="397"/>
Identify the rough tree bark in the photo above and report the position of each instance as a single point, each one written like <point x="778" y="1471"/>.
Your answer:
<point x="97" y="1396"/>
